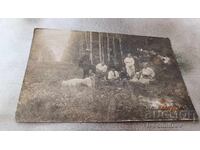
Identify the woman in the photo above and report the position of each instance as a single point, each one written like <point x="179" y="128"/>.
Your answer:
<point x="130" y="65"/>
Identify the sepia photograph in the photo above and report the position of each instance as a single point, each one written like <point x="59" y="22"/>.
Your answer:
<point x="99" y="74"/>
<point x="86" y="76"/>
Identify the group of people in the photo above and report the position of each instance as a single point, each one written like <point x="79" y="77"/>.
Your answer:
<point x="128" y="71"/>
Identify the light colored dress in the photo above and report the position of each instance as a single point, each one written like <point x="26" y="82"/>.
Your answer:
<point x="113" y="75"/>
<point x="130" y="66"/>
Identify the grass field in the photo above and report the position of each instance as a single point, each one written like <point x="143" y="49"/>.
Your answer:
<point x="43" y="99"/>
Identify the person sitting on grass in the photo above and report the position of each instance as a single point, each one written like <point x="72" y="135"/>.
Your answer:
<point x="113" y="74"/>
<point x="123" y="75"/>
<point x="144" y="76"/>
<point x="101" y="70"/>
<point x="147" y="74"/>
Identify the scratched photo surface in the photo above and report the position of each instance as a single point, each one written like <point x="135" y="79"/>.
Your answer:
<point x="76" y="76"/>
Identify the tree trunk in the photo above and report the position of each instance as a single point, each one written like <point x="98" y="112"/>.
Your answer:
<point x="114" y="50"/>
<point x="86" y="40"/>
<point x="91" y="55"/>
<point x="108" y="48"/>
<point x="100" y="51"/>
<point x="120" y="48"/>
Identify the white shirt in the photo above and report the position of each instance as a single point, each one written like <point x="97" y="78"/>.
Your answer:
<point x="101" y="67"/>
<point x="113" y="75"/>
<point x="148" y="72"/>
<point x="129" y="61"/>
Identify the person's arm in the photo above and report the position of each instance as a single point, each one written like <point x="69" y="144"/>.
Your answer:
<point x="117" y="74"/>
<point x="152" y="73"/>
<point x="98" y="68"/>
<point x="125" y="60"/>
<point x="133" y="61"/>
<point x="141" y="73"/>
<point x="109" y="75"/>
<point x="81" y="61"/>
<point x="106" y="68"/>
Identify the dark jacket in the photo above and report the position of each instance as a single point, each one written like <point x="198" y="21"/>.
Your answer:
<point x="84" y="61"/>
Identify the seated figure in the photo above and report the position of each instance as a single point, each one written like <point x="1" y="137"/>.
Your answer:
<point x="136" y="77"/>
<point x="147" y="74"/>
<point x="123" y="75"/>
<point x="113" y="74"/>
<point x="101" y="70"/>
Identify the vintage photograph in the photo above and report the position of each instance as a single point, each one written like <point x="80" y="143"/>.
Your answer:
<point x="85" y="76"/>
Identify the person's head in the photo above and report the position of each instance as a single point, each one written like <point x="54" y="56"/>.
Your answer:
<point x="137" y="75"/>
<point x="123" y="69"/>
<point x="102" y="63"/>
<point x="91" y="71"/>
<point x="129" y="55"/>
<point x="91" y="74"/>
<point x="87" y="51"/>
<point x="112" y="69"/>
<point x="145" y="65"/>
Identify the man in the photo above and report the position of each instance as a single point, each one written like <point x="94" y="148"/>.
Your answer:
<point x="101" y="67"/>
<point x="101" y="70"/>
<point x="147" y="74"/>
<point x="130" y="65"/>
<point x="136" y="77"/>
<point x="85" y="63"/>
<point x="113" y="74"/>
<point x="123" y="74"/>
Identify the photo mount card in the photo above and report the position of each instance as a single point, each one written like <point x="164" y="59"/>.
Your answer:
<point x="83" y="76"/>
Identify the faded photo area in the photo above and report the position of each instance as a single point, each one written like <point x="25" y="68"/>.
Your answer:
<point x="75" y="76"/>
